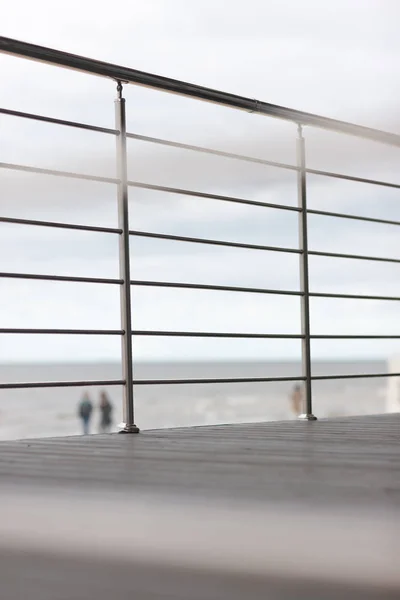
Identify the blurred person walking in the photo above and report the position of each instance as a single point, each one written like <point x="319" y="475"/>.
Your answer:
<point x="85" y="410"/>
<point x="296" y="400"/>
<point x="106" y="409"/>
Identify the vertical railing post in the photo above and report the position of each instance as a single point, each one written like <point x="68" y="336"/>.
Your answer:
<point x="304" y="276"/>
<point x="128" y="426"/>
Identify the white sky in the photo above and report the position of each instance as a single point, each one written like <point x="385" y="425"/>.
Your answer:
<point x="339" y="59"/>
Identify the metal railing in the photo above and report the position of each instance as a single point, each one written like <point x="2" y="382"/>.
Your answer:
<point x="122" y="75"/>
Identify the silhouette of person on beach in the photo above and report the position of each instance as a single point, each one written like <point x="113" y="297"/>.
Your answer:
<point x="296" y="400"/>
<point x="106" y="409"/>
<point x="85" y="410"/>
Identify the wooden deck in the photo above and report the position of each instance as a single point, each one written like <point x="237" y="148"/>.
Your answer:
<point x="276" y="510"/>
<point x="352" y="460"/>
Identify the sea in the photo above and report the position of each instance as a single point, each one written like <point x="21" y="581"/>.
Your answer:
<point x="27" y="413"/>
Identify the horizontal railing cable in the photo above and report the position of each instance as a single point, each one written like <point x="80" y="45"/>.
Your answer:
<point x="59" y="225"/>
<point x="367" y="336"/>
<point x="53" y="384"/>
<point x="337" y="215"/>
<point x="212" y="242"/>
<point x="33" y="331"/>
<point x="54" y="121"/>
<point x="57" y="173"/>
<point x="277" y="336"/>
<point x="353" y="256"/>
<point x="184" y="192"/>
<point x="353" y="296"/>
<point x="145" y="186"/>
<point x="196" y="240"/>
<point x="353" y="376"/>
<point x="209" y="196"/>
<point x="211" y="151"/>
<point x="68" y="278"/>
<point x="215" y="380"/>
<point x="196" y="334"/>
<point x="217" y="288"/>
<point x="257" y="379"/>
<point x="200" y="381"/>
<point x="217" y="334"/>
<point x="166" y="84"/>
<point x="228" y="288"/>
<point x="100" y="229"/>
<point x="261" y="161"/>
<point x="353" y="178"/>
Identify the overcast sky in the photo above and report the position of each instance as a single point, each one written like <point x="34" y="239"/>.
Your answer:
<point x="339" y="59"/>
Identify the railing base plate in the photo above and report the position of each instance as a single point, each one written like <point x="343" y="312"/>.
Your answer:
<point x="128" y="428"/>
<point x="307" y="417"/>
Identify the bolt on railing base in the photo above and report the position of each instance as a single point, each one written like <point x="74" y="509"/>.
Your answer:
<point x="124" y="428"/>
<point x="307" y="417"/>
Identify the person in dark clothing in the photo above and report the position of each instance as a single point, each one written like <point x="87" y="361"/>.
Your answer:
<point x="106" y="409"/>
<point x="85" y="412"/>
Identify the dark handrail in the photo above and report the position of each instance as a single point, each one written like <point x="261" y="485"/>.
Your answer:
<point x="174" y="86"/>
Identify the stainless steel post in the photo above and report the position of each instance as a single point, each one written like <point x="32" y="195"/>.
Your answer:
<point x="128" y="426"/>
<point x="304" y="278"/>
